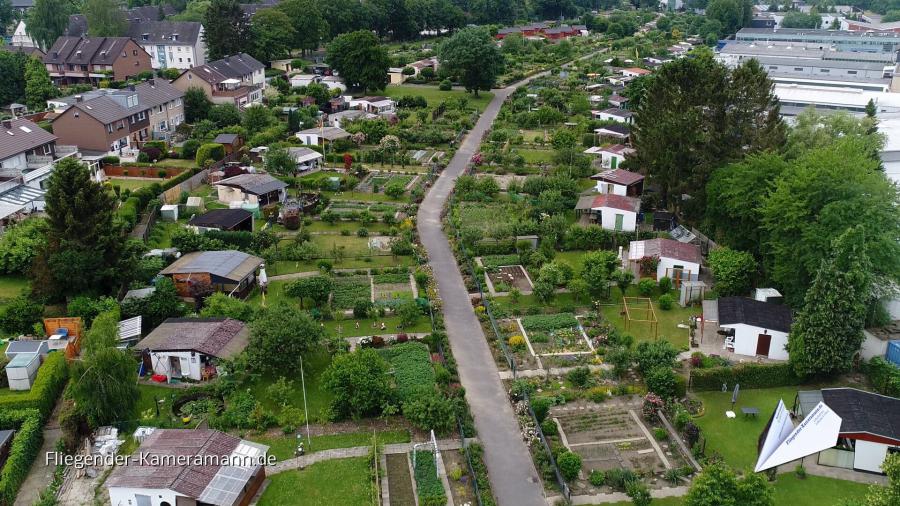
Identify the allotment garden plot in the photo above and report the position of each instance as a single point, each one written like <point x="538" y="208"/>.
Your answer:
<point x="555" y="334"/>
<point x="504" y="273"/>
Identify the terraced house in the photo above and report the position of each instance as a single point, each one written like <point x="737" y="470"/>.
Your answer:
<point x="74" y="60"/>
<point x="237" y="79"/>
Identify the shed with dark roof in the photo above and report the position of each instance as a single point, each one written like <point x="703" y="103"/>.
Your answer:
<point x="229" y="220"/>
<point x="228" y="271"/>
<point x="759" y="328"/>
<point x="261" y="189"/>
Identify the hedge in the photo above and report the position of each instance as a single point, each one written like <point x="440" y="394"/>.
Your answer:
<point x="134" y="205"/>
<point x="50" y="381"/>
<point x="748" y="375"/>
<point x="884" y="376"/>
<point x="25" y="448"/>
<point x="209" y="151"/>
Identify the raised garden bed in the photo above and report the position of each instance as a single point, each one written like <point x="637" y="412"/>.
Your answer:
<point x="555" y="334"/>
<point x="507" y="277"/>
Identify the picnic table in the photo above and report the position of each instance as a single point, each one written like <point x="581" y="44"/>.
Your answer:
<point x="750" y="412"/>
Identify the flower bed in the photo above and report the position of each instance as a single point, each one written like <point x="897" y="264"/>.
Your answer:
<point x="348" y="290"/>
<point x="554" y="334"/>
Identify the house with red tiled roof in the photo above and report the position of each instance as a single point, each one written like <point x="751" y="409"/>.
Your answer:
<point x="676" y="260"/>
<point x="189" y="466"/>
<point x="616" y="212"/>
<point x="635" y="72"/>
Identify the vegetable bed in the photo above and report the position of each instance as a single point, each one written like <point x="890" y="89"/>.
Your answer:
<point x="548" y="322"/>
<point x="412" y="367"/>
<point x="492" y="262"/>
<point x="348" y="290"/>
<point x="430" y="489"/>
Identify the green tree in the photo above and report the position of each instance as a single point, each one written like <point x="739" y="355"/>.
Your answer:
<point x="47" y="20"/>
<point x="7" y="15"/>
<point x="257" y="119"/>
<point x="12" y="76"/>
<point x="105" y="18"/>
<point x="220" y="305"/>
<point x="359" y="383"/>
<point x="814" y="130"/>
<point x="889" y="495"/>
<point x="409" y="313"/>
<point x="825" y="192"/>
<point x="279" y="161"/>
<point x="223" y="115"/>
<point x="733" y="270"/>
<point x="87" y="308"/>
<point x="154" y="309"/>
<point x="38" y="87"/>
<point x="472" y="55"/>
<point x="428" y="410"/>
<point x="797" y="19"/>
<point x="652" y="354"/>
<point x="828" y="330"/>
<point x="871" y="110"/>
<point x="196" y="105"/>
<point x="661" y="381"/>
<point x="308" y="21"/>
<point x="226" y="29"/>
<point x="20" y="244"/>
<point x="597" y="270"/>
<point x="360" y="59"/>
<point x="717" y="485"/>
<point x="104" y="382"/>
<point x="278" y="336"/>
<point x="569" y="465"/>
<point x="85" y="249"/>
<point x="272" y="34"/>
<point x="20" y="314"/>
<point x="314" y="288"/>
<point x="733" y="14"/>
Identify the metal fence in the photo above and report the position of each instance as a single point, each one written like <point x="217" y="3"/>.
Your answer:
<point x="470" y="266"/>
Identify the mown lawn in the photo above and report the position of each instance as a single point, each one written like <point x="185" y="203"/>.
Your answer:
<point x="434" y="95"/>
<point x="131" y="183"/>
<point x="319" y="226"/>
<point x="161" y="234"/>
<point x="352" y="246"/>
<point x="365" y="196"/>
<point x="377" y="261"/>
<point x="282" y="447"/>
<point x="11" y="286"/>
<point x="345" y="481"/>
<point x="536" y="156"/>
<point x="348" y="326"/>
<point x="317" y="397"/>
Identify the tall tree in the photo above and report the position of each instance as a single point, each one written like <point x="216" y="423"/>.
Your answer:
<point x="7" y="15"/>
<point x="829" y="329"/>
<point x="360" y="59"/>
<point x="273" y="35"/>
<point x="12" y="76"/>
<point x="814" y="130"/>
<point x="472" y="55"/>
<point x="105" y="18"/>
<point x="308" y="21"/>
<point x="345" y="16"/>
<point x="38" y="87"/>
<point x="226" y="29"/>
<point x="196" y="105"/>
<point x="278" y="336"/>
<point x="823" y="193"/>
<point x="103" y="383"/>
<point x="47" y="20"/>
<point x="85" y="249"/>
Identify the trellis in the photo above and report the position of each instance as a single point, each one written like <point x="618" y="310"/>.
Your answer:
<point x="640" y="309"/>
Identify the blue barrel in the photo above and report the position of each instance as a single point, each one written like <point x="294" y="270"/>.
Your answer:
<point x="893" y="353"/>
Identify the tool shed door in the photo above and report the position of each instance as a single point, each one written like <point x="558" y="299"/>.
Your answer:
<point x="763" y="342"/>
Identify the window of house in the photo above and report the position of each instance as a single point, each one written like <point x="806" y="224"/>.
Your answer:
<point x="180" y="60"/>
<point x="189" y="60"/>
<point x="824" y="71"/>
<point x="134" y="52"/>
<point x="852" y="72"/>
<point x="798" y="69"/>
<point x="141" y="116"/>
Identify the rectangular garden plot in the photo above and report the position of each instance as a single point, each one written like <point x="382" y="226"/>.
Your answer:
<point x="399" y="481"/>
<point x="348" y="290"/>
<point x="555" y="334"/>
<point x="392" y="287"/>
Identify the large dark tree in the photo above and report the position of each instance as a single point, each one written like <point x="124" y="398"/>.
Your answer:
<point x="310" y="26"/>
<point x="273" y="35"/>
<point x="695" y="116"/>
<point x="360" y="59"/>
<point x="47" y="20"/>
<point x="829" y="329"/>
<point x="6" y="15"/>
<point x="196" y="105"/>
<point x="12" y="77"/>
<point x="278" y="336"/>
<point x="472" y="55"/>
<point x="226" y="29"/>
<point x="105" y="18"/>
<point x="85" y="249"/>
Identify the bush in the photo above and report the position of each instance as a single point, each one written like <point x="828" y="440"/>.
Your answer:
<point x="209" y="151"/>
<point x="20" y="315"/>
<point x="646" y="286"/>
<point x="153" y="154"/>
<point x="885" y="378"/>
<point x="189" y="148"/>
<point x="49" y="384"/>
<point x="579" y="377"/>
<point x="517" y="342"/>
<point x="639" y="494"/>
<point x="733" y="271"/>
<point x="143" y="157"/>
<point x="619" y="478"/>
<point x="660" y="434"/>
<point x="748" y="375"/>
<point x="597" y="478"/>
<point x="549" y="427"/>
<point x="430" y="410"/>
<point x="445" y="85"/>
<point x="25" y="447"/>
<point x="666" y="301"/>
<point x="665" y="284"/>
<point x="661" y="381"/>
<point x="569" y="465"/>
<point x="541" y="408"/>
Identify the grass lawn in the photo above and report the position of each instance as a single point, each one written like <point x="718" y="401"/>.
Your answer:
<point x="145" y="409"/>
<point x="536" y="155"/>
<point x="348" y="326"/>
<point x="282" y="447"/>
<point x="177" y="162"/>
<point x="291" y="266"/>
<point x="352" y="226"/>
<point x="642" y="331"/>
<point x="352" y="245"/>
<point x="317" y="398"/>
<point x="365" y="197"/>
<point x="11" y="286"/>
<point x="434" y="95"/>
<point x="161" y="234"/>
<point x="344" y="481"/>
<point x="131" y="183"/>
<point x="735" y="439"/>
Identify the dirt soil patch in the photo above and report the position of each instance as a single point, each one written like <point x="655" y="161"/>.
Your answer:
<point x="399" y="481"/>
<point x="463" y="491"/>
<point x="509" y="277"/>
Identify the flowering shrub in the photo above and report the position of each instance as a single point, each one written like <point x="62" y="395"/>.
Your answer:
<point x="652" y="402"/>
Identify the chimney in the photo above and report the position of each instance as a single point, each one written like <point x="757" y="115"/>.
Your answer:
<point x="7" y="124"/>
<point x="79" y="99"/>
<point x="151" y="81"/>
<point x="130" y="87"/>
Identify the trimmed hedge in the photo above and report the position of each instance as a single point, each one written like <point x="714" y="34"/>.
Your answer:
<point x="49" y="384"/>
<point x="25" y="448"/>
<point x="883" y="376"/>
<point x="209" y="151"/>
<point x="135" y="204"/>
<point x="748" y="375"/>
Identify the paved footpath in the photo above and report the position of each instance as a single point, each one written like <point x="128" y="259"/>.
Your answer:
<point x="356" y="451"/>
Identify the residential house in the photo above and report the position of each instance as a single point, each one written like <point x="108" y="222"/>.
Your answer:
<point x="238" y="79"/>
<point x="617" y="100"/>
<point x="755" y="328"/>
<point x="22" y="6"/>
<point x="21" y="38"/>
<point x="226" y="220"/>
<point x="616" y="212"/>
<point x="870" y="427"/>
<point x="675" y="260"/>
<point x="617" y="131"/>
<point x="171" y="44"/>
<point x="74" y="60"/>
<point x="228" y="271"/>
<point x="619" y="182"/>
<point x="322" y="136"/>
<point x="20" y="140"/>
<point x="119" y="121"/>
<point x="374" y="105"/>
<point x="634" y="72"/>
<point x="305" y="159"/>
<point x="26" y="50"/>
<point x="613" y="114"/>
<point x="261" y="189"/>
<point x="188" y="467"/>
<point x="192" y="347"/>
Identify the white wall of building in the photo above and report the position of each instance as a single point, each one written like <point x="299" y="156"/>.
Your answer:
<point x="228" y="194"/>
<point x="14" y="162"/>
<point x="666" y="263"/>
<point x="606" y="188"/>
<point x="872" y="347"/>
<point x="120" y="496"/>
<point x="190" y="365"/>
<point x="608" y="219"/>
<point x="308" y="139"/>
<point x="869" y="456"/>
<point x="746" y="336"/>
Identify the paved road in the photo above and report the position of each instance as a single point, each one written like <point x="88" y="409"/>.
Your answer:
<point x="513" y="477"/>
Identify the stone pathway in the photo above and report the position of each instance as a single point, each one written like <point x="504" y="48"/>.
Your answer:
<point x="356" y="451"/>
<point x="40" y="475"/>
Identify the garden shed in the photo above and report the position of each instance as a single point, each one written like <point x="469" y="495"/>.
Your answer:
<point x="191" y="347"/>
<point x="22" y="370"/>
<point x="228" y="220"/>
<point x="675" y="260"/>
<point x="229" y="271"/>
<point x="760" y="329"/>
<point x="261" y="189"/>
<point x="26" y="346"/>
